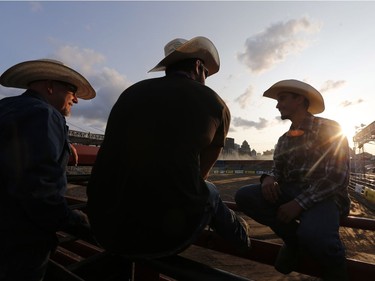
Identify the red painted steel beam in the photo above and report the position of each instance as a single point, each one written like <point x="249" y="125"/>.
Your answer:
<point x="86" y="154"/>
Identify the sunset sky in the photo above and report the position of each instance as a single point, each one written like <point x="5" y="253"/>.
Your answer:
<point x="328" y="44"/>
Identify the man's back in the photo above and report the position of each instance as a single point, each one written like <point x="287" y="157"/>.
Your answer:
<point x="156" y="131"/>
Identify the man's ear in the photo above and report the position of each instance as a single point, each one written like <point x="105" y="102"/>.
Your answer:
<point x="198" y="65"/>
<point x="49" y="84"/>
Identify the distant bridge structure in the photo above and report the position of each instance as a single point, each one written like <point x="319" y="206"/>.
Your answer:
<point x="366" y="135"/>
<point x="85" y="138"/>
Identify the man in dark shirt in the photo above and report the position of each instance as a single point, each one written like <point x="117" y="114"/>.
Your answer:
<point x="147" y="196"/>
<point x="34" y="152"/>
<point x="306" y="194"/>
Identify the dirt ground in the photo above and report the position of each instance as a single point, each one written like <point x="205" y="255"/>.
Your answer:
<point x="360" y="244"/>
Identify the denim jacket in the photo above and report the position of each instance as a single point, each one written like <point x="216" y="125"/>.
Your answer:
<point x="34" y="151"/>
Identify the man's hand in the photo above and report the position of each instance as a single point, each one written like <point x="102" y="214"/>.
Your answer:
<point x="289" y="211"/>
<point x="74" y="154"/>
<point x="270" y="189"/>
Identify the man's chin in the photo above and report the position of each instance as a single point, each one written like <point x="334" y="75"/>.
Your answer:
<point x="283" y="117"/>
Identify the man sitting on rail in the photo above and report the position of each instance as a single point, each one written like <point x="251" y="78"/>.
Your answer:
<point x="148" y="195"/>
<point x="304" y="198"/>
<point x="34" y="152"/>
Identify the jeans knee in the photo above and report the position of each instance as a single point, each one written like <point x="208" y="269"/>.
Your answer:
<point x="309" y="242"/>
<point x="309" y="237"/>
<point x="325" y="248"/>
<point x="238" y="198"/>
<point x="246" y="196"/>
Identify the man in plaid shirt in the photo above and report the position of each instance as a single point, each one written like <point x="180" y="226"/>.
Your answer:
<point x="304" y="197"/>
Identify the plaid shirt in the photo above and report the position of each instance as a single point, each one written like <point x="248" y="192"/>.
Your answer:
<point x="318" y="159"/>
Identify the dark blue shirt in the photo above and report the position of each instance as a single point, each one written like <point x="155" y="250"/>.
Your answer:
<point x="34" y="152"/>
<point x="146" y="195"/>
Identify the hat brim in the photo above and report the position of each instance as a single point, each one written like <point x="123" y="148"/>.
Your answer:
<point x="294" y="86"/>
<point x="22" y="74"/>
<point x="198" y="47"/>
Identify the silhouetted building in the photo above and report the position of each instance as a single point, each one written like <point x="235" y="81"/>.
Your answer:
<point x="244" y="149"/>
<point x="229" y="147"/>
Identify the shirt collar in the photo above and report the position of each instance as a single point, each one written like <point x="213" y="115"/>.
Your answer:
<point x="34" y="94"/>
<point x="306" y="124"/>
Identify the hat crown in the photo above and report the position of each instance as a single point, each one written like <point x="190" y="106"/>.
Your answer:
<point x="181" y="49"/>
<point x="173" y="45"/>
<point x="53" y="61"/>
<point x="301" y="88"/>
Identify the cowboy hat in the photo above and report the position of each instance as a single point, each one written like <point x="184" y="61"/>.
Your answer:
<point x="199" y="47"/>
<point x="22" y="74"/>
<point x="295" y="86"/>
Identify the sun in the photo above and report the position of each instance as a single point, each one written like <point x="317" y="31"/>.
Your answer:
<point x="348" y="130"/>
<point x="348" y="126"/>
<point x="349" y="121"/>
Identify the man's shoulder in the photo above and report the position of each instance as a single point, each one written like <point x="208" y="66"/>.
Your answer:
<point x="143" y="82"/>
<point x="321" y="121"/>
<point x="25" y="104"/>
<point x="327" y="127"/>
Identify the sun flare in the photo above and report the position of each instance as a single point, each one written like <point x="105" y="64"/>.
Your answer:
<point x="348" y="130"/>
<point x="348" y="126"/>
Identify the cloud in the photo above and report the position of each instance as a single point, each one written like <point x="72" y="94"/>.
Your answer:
<point x="244" y="99"/>
<point x="107" y="82"/>
<point x="332" y="85"/>
<point x="272" y="46"/>
<point x="347" y="103"/>
<point x="240" y="122"/>
<point x="8" y="92"/>
<point x="76" y="57"/>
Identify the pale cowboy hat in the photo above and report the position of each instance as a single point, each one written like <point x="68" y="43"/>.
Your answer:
<point x="298" y="87"/>
<point x="199" y="47"/>
<point x="22" y="74"/>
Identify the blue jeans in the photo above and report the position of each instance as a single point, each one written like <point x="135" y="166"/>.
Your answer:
<point x="225" y="221"/>
<point x="316" y="231"/>
<point x="221" y="219"/>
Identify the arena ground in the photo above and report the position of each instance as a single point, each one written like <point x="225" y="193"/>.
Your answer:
<point x="360" y="244"/>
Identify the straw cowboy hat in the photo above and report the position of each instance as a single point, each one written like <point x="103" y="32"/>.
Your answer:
<point x="295" y="86"/>
<point x="199" y="47"/>
<point x="22" y="74"/>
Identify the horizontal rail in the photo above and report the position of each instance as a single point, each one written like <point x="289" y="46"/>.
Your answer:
<point x="183" y="269"/>
<point x="266" y="253"/>
<point x="350" y="221"/>
<point x="78" y="178"/>
<point x="81" y="259"/>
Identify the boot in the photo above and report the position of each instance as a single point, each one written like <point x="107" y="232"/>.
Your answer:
<point x="336" y="273"/>
<point x="287" y="259"/>
<point x="244" y="247"/>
